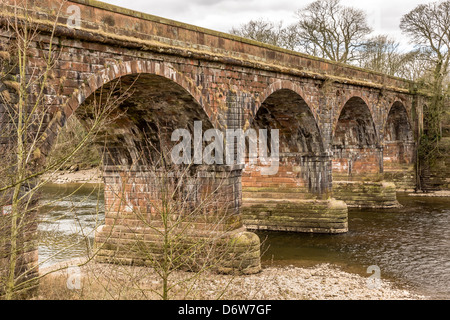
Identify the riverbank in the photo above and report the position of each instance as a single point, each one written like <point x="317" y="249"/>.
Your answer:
<point x="442" y="193"/>
<point x="90" y="176"/>
<point x="321" y="282"/>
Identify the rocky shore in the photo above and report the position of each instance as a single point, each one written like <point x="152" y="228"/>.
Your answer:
<point x="321" y="282"/>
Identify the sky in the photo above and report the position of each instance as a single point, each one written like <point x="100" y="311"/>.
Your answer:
<point x="221" y="15"/>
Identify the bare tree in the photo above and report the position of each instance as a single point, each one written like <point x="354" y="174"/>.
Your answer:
<point x="262" y="31"/>
<point x="428" y="26"/>
<point x="25" y="81"/>
<point x="416" y="66"/>
<point x="329" y="30"/>
<point x="269" y="32"/>
<point x="380" y="53"/>
<point x="324" y="29"/>
<point x="290" y="39"/>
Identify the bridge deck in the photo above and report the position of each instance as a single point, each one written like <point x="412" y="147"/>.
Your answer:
<point x="109" y="24"/>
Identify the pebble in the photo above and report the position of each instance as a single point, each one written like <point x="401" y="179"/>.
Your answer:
<point x="321" y="282"/>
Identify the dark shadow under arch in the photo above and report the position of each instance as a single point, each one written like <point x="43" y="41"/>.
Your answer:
<point x="398" y="136"/>
<point x="355" y="126"/>
<point x="303" y="165"/>
<point x="288" y="112"/>
<point x="155" y="108"/>
<point x="356" y="144"/>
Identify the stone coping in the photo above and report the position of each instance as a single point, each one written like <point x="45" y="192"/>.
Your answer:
<point x="169" y="22"/>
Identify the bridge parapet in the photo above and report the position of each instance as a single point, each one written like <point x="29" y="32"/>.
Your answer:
<point x="109" y="24"/>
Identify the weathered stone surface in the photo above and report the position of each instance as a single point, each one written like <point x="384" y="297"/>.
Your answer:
<point x="311" y="216"/>
<point x="337" y="122"/>
<point x="236" y="251"/>
<point x="359" y="194"/>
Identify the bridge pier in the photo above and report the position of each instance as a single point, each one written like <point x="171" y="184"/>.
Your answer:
<point x="297" y="199"/>
<point x="358" y="160"/>
<point x="399" y="149"/>
<point x="357" y="179"/>
<point x="367" y="195"/>
<point x="399" y="165"/>
<point x="200" y="227"/>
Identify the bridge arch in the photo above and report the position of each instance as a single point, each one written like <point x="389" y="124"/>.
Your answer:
<point x="136" y="67"/>
<point x="356" y="143"/>
<point x="286" y="110"/>
<point x="146" y="119"/>
<point x="398" y="123"/>
<point x="282" y="85"/>
<point x="303" y="167"/>
<point x="401" y="104"/>
<point x="281" y="201"/>
<point x="159" y="94"/>
<point x="346" y="101"/>
<point x="398" y="136"/>
<point x="138" y="168"/>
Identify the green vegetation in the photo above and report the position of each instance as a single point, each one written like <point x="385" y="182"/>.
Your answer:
<point x="72" y="134"/>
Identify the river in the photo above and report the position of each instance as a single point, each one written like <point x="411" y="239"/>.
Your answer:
<point x="410" y="245"/>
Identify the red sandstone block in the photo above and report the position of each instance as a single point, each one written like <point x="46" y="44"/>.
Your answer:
<point x="247" y="184"/>
<point x="95" y="46"/>
<point x="80" y="67"/>
<point x="264" y="179"/>
<point x="255" y="174"/>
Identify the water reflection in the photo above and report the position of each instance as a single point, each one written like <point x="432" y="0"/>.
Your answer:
<point x="411" y="245"/>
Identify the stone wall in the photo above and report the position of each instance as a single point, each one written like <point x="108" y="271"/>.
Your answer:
<point x="325" y="111"/>
<point x="290" y="214"/>
<point x="201" y="226"/>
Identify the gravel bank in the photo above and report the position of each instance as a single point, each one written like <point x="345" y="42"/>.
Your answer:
<point x="322" y="282"/>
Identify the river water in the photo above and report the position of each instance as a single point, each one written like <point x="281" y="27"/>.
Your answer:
<point x="410" y="245"/>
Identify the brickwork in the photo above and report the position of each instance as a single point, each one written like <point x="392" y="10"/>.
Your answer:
<point x="399" y="152"/>
<point x="335" y="121"/>
<point x="205" y="216"/>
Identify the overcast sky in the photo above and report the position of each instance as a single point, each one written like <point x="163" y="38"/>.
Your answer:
<point x="221" y="15"/>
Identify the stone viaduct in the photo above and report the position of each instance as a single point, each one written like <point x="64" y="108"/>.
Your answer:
<point x="347" y="135"/>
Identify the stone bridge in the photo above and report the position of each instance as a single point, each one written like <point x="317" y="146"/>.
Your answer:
<point x="347" y="135"/>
